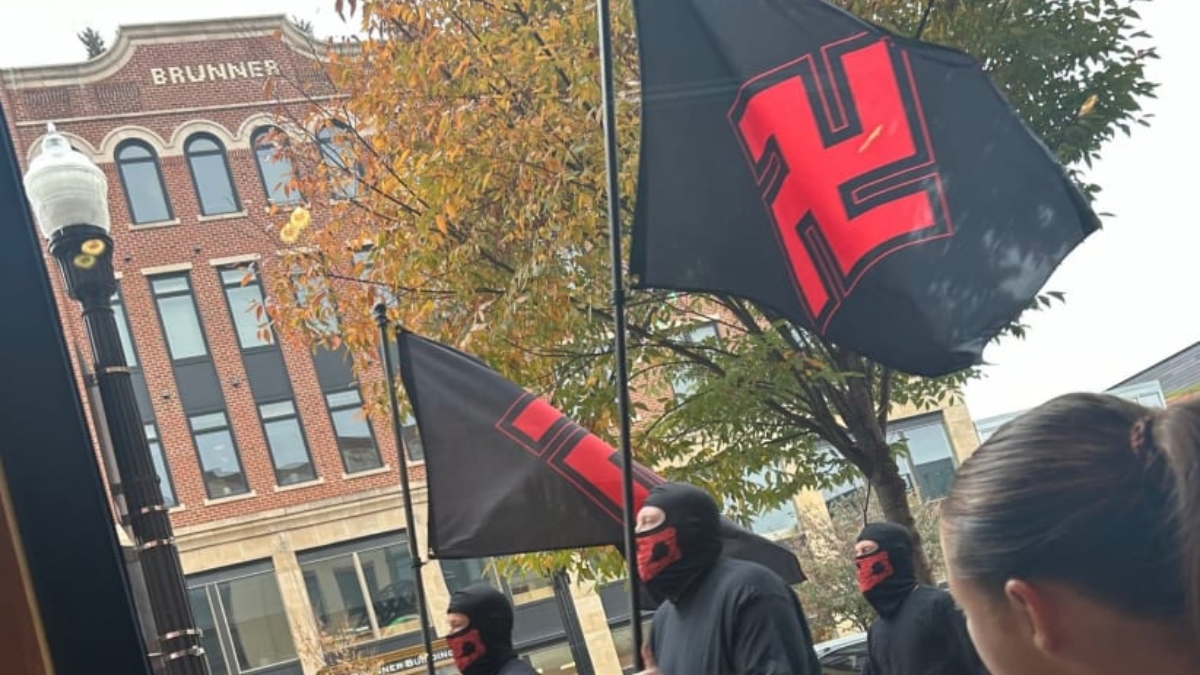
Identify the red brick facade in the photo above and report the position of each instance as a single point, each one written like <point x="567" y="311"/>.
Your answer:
<point x="159" y="84"/>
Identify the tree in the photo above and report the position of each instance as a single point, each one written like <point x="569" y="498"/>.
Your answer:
<point x="92" y="40"/>
<point x="303" y="25"/>
<point x="467" y="156"/>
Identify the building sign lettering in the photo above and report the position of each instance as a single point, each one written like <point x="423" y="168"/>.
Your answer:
<point x="214" y="72"/>
<point x="410" y="662"/>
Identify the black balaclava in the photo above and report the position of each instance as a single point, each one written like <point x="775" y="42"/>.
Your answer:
<point x="485" y="645"/>
<point x="672" y="556"/>
<point x="886" y="577"/>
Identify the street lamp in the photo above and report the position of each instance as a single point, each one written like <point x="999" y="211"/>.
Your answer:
<point x="69" y="195"/>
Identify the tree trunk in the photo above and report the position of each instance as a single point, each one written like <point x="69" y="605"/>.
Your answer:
<point x="890" y="489"/>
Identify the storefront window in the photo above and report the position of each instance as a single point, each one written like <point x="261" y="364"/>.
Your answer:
<point x="243" y="619"/>
<point x="529" y="587"/>
<point x="462" y="573"/>
<point x="364" y="588"/>
<point x="553" y="660"/>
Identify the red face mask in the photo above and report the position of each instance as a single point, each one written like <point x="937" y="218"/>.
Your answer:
<point x="467" y="648"/>
<point x="656" y="550"/>
<point x="873" y="569"/>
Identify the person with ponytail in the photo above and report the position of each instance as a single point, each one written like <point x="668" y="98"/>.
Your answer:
<point x="1072" y="540"/>
<point x="919" y="630"/>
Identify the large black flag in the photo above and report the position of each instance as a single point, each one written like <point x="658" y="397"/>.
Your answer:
<point x="874" y="189"/>
<point x="507" y="473"/>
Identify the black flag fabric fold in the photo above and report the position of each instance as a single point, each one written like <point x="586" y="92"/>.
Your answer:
<point x="874" y="189"/>
<point x="508" y="473"/>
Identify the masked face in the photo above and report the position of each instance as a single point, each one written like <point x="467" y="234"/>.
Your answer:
<point x="658" y="549"/>
<point x="481" y="621"/>
<point x="873" y="569"/>
<point x="883" y="558"/>
<point x="467" y="647"/>
<point x="677" y="539"/>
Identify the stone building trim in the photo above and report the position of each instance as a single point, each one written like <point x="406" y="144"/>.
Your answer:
<point x="129" y="37"/>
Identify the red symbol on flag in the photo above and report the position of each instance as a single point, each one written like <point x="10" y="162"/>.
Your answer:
<point x="838" y="145"/>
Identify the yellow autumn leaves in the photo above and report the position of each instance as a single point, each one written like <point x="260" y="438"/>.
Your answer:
<point x="1088" y="106"/>
<point x="296" y="224"/>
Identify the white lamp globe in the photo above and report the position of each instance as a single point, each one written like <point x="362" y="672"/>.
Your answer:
<point x="65" y="188"/>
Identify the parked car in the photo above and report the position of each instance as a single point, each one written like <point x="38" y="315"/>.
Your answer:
<point x="843" y="655"/>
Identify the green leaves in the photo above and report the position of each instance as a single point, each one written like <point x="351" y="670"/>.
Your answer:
<point x="482" y="199"/>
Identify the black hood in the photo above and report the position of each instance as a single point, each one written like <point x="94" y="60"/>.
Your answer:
<point x="887" y="577"/>
<point x="485" y="645"/>
<point x="672" y="556"/>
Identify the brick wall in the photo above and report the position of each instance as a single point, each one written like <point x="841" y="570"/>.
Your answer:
<point x="95" y="105"/>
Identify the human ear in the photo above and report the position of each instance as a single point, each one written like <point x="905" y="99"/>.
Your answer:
<point x="1036" y="613"/>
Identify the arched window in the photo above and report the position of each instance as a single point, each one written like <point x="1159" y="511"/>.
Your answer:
<point x="344" y="172"/>
<point x="274" y="168"/>
<point x="210" y="175"/>
<point x="141" y="177"/>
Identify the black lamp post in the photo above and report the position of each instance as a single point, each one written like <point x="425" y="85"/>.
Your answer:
<point x="69" y="195"/>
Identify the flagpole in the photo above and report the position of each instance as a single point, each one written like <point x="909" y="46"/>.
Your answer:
<point x="611" y="168"/>
<point x="409" y="520"/>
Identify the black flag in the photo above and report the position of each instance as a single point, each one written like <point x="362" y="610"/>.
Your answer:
<point x="876" y="190"/>
<point x="507" y="473"/>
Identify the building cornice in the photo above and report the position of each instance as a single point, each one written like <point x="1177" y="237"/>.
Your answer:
<point x="130" y="37"/>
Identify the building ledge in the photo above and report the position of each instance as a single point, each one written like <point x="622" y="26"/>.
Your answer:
<point x="235" y="498"/>
<point x="138" y="227"/>
<point x="221" y="216"/>
<point x="300" y="486"/>
<point x="370" y="472"/>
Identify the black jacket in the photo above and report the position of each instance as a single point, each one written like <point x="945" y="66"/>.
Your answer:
<point x="928" y="636"/>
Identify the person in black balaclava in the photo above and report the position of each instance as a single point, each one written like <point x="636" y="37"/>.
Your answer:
<point x="481" y="624"/>
<point x="919" y="630"/>
<point x="718" y="616"/>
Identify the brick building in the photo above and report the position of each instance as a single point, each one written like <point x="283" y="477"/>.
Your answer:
<point x="285" y="499"/>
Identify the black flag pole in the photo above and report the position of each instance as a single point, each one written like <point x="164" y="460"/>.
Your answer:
<point x="611" y="167"/>
<point x="409" y="520"/>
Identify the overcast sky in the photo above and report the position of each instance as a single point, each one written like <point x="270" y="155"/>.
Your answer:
<point x="1131" y="300"/>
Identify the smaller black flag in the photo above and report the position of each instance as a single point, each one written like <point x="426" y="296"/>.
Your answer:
<point x="876" y="190"/>
<point x="508" y="473"/>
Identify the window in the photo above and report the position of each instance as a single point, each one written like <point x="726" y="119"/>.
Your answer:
<point x="244" y="624"/>
<point x="160" y="466"/>
<point x="462" y="573"/>
<point x="285" y="438"/>
<point x="180" y="321"/>
<point x="210" y="175"/>
<point x="141" y="177"/>
<point x="219" y="461"/>
<point x="530" y="586"/>
<point x="847" y="658"/>
<point x="245" y="305"/>
<point x="126" y="337"/>
<point x="142" y="396"/>
<point x="324" y="319"/>
<point x="274" y="168"/>
<point x="930" y="457"/>
<point x="555" y="659"/>
<point x="363" y="589"/>
<point x="338" y="154"/>
<point x="412" y="438"/>
<point x="928" y="466"/>
<point x="686" y="377"/>
<point x="355" y="439"/>
<point x="381" y="291"/>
